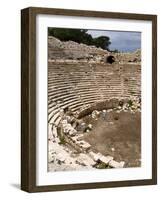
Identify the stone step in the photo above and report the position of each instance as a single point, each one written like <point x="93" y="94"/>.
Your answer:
<point x="53" y="117"/>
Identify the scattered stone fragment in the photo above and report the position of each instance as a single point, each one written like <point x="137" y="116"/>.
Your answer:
<point x="95" y="114"/>
<point x="50" y="157"/>
<point x="109" y="110"/>
<point x="68" y="129"/>
<point x="115" y="164"/>
<point x="122" y="163"/>
<point x="51" y="132"/>
<point x="61" y="157"/>
<point x="72" y="132"/>
<point x="85" y="145"/>
<point x="118" y="111"/>
<point x="95" y="156"/>
<point x="79" y="137"/>
<point x="90" y="126"/>
<point x="106" y="159"/>
<point x="64" y="121"/>
<point x="85" y="160"/>
<point x="68" y="118"/>
<point x="82" y="127"/>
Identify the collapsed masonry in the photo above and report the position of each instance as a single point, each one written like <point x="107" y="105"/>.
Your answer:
<point x="81" y="82"/>
<point x="72" y="51"/>
<point x="70" y="133"/>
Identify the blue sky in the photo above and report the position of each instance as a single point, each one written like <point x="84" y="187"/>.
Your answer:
<point x="121" y="40"/>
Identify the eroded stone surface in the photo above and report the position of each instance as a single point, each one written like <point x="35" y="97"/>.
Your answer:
<point x="106" y="159"/>
<point x="115" y="164"/>
<point x="85" y="160"/>
<point x="79" y="63"/>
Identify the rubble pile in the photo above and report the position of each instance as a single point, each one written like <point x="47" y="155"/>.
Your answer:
<point x="133" y="57"/>
<point x="89" y="89"/>
<point x="60" y="157"/>
<point x="71" y="51"/>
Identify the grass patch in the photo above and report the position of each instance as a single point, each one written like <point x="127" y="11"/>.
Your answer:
<point x="102" y="165"/>
<point x="62" y="140"/>
<point x="130" y="103"/>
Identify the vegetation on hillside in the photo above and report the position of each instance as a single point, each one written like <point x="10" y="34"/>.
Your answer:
<point x="80" y="36"/>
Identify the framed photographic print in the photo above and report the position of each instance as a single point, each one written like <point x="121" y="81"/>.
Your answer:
<point x="89" y="99"/>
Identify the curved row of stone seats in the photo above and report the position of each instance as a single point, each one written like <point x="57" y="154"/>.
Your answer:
<point x="74" y="105"/>
<point x="132" y="85"/>
<point x="81" y="89"/>
<point x="84" y="96"/>
<point x="76" y="85"/>
<point x="109" y="89"/>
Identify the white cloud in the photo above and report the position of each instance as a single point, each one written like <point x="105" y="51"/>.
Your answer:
<point x="121" y="40"/>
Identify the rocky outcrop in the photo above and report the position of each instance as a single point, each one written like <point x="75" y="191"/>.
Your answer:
<point x="72" y="51"/>
<point x="58" y="50"/>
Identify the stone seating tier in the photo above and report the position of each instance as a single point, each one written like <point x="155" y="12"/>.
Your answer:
<point x="77" y="85"/>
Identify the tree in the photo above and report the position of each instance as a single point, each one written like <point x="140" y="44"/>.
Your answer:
<point x="80" y="36"/>
<point x="103" y="42"/>
<point x="77" y="35"/>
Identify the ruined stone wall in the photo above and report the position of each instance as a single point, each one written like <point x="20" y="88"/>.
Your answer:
<point x="79" y="85"/>
<point x="67" y="51"/>
<point x="70" y="50"/>
<point x="79" y="77"/>
<point x="133" y="57"/>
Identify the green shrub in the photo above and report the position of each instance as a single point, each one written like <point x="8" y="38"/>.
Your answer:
<point x="62" y="140"/>
<point x="130" y="103"/>
<point x="80" y="36"/>
<point x="102" y="165"/>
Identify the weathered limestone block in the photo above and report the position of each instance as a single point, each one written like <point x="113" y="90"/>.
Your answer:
<point x="68" y="129"/>
<point x="85" y="160"/>
<point x="51" y="146"/>
<point x="50" y="132"/>
<point x="72" y="132"/>
<point x="50" y="157"/>
<point x="64" y="121"/>
<point x="122" y="163"/>
<point x="95" y="156"/>
<point x="106" y="159"/>
<point x="115" y="164"/>
<point x="95" y="114"/>
<point x="60" y="158"/>
<point x="82" y="126"/>
<point x="90" y="126"/>
<point x="99" y="157"/>
<point x="77" y="137"/>
<point x="84" y="145"/>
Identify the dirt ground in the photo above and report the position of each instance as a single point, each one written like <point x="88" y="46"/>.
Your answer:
<point x="117" y="135"/>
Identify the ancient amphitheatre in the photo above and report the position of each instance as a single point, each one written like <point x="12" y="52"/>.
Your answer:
<point x="94" y="107"/>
